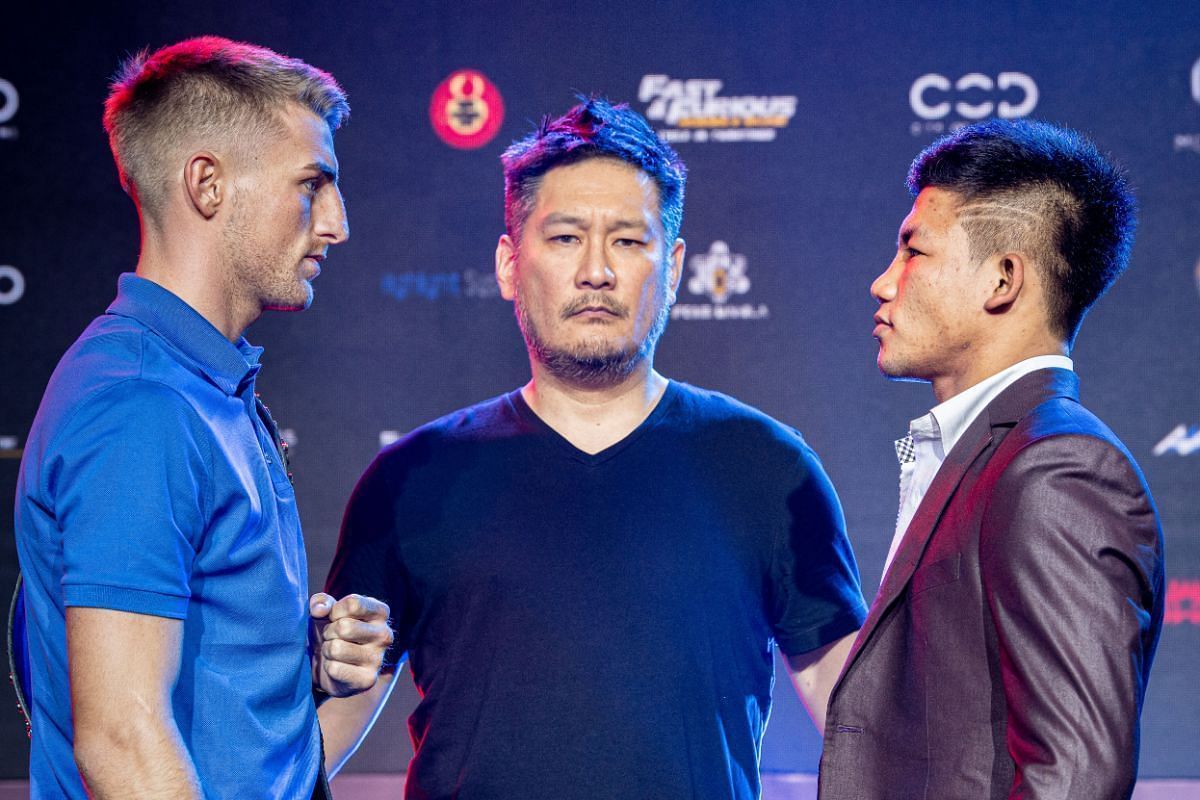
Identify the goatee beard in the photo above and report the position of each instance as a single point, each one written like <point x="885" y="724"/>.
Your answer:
<point x="591" y="364"/>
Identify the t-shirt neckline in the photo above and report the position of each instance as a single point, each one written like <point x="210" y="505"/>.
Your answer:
<point x="516" y="401"/>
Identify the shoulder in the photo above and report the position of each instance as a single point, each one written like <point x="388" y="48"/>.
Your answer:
<point x="719" y="419"/>
<point x="1062" y="468"/>
<point x="489" y="420"/>
<point x="1062" y="433"/>
<point x="101" y="381"/>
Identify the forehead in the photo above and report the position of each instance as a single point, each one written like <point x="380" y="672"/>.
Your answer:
<point x="597" y="184"/>
<point x="935" y="211"/>
<point x="304" y="138"/>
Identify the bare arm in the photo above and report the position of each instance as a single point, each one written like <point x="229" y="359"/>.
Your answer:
<point x="123" y="667"/>
<point x="345" y="721"/>
<point x="814" y="673"/>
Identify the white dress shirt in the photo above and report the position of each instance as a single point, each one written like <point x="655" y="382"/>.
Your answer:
<point x="935" y="434"/>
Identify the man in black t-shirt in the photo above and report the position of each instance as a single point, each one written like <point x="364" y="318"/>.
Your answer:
<point x="588" y="574"/>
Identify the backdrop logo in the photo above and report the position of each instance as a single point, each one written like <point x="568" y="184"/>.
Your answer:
<point x="720" y="275"/>
<point x="466" y="110"/>
<point x="1183" y="440"/>
<point x="436" y="286"/>
<point x="12" y="285"/>
<point x="935" y="98"/>
<point x="694" y="110"/>
<point x="1183" y="602"/>
<point x="1191" y="141"/>
<point x="10" y="101"/>
<point x="10" y="447"/>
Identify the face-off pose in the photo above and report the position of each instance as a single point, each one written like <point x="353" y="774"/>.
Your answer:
<point x="166" y="581"/>
<point x="1008" y="651"/>
<point x="588" y="573"/>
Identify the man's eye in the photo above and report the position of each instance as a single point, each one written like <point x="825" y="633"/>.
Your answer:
<point x="312" y="184"/>
<point x="564" y="238"/>
<point x="630" y="243"/>
<point x="913" y="252"/>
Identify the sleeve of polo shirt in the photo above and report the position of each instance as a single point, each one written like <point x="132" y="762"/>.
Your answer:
<point x="815" y="594"/>
<point x="367" y="560"/>
<point x="129" y="477"/>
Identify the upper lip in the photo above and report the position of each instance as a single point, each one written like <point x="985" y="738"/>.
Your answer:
<point x="881" y="321"/>
<point x="605" y="309"/>
<point x="317" y="257"/>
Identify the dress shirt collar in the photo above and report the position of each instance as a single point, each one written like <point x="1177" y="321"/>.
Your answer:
<point x="229" y="366"/>
<point x="954" y="415"/>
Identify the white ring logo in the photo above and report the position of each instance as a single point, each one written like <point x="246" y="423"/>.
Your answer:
<point x="973" y="80"/>
<point x="13" y="293"/>
<point x="11" y="101"/>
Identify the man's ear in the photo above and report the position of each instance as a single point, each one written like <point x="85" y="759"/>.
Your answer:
<point x="676" y="268"/>
<point x="1007" y="272"/>
<point x="506" y="267"/>
<point x="204" y="182"/>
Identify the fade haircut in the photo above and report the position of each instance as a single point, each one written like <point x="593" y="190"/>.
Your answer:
<point x="207" y="88"/>
<point x="1043" y="190"/>
<point x="595" y="128"/>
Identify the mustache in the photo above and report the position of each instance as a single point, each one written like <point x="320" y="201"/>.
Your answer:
<point x="595" y="300"/>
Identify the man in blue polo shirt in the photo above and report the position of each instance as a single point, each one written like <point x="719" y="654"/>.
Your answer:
<point x="156" y="525"/>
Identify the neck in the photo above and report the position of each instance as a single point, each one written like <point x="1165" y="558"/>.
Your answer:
<point x="195" y="275"/>
<point x="593" y="418"/>
<point x="980" y="369"/>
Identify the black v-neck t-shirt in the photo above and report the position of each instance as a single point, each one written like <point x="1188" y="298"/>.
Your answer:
<point x="598" y="625"/>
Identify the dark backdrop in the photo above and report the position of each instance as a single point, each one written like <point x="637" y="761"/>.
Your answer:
<point x="797" y="122"/>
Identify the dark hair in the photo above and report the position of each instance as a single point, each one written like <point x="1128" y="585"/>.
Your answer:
<point x="1050" y="192"/>
<point x="207" y="87"/>
<point x="594" y="128"/>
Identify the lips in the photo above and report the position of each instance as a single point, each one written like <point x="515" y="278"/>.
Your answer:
<point x="595" y="305"/>
<point x="881" y="325"/>
<point x="315" y="260"/>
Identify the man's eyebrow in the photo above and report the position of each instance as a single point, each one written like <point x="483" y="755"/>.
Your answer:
<point x="627" y="224"/>
<point x="561" y="218"/>
<point x="330" y="173"/>
<point x="907" y="233"/>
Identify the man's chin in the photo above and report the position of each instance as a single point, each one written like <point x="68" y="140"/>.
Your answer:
<point x="588" y="366"/>
<point x="898" y="372"/>
<point x="294" y="304"/>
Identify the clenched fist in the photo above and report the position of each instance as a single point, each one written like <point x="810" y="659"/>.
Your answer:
<point x="348" y="639"/>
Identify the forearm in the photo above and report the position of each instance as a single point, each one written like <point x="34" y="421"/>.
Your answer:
<point x="814" y="674"/>
<point x="144" y="760"/>
<point x="345" y="721"/>
<point x="122" y="669"/>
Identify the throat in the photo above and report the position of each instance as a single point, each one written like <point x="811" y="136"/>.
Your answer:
<point x="594" y="420"/>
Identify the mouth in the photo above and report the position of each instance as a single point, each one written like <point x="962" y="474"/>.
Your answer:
<point x="881" y="325"/>
<point x="313" y="260"/>
<point x="595" y="308"/>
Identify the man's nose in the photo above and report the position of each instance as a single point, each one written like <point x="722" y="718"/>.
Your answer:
<point x="595" y="272"/>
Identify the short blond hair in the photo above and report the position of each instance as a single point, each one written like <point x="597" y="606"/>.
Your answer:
<point x="200" y="89"/>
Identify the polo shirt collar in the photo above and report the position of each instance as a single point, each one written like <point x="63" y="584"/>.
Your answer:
<point x="229" y="366"/>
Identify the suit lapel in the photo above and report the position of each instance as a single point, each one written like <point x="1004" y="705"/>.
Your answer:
<point x="973" y="442"/>
<point x="1004" y="411"/>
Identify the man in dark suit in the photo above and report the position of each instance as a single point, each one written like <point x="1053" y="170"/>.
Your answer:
<point x="1008" y="650"/>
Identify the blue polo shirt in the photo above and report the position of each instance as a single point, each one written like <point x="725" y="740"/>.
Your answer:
<point x="150" y="484"/>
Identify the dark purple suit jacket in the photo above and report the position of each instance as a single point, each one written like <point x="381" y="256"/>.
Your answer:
<point x="1008" y="650"/>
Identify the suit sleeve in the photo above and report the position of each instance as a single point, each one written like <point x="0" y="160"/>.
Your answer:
<point x="1071" y="564"/>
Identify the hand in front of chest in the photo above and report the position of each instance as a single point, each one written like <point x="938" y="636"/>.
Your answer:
<point x="347" y="639"/>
